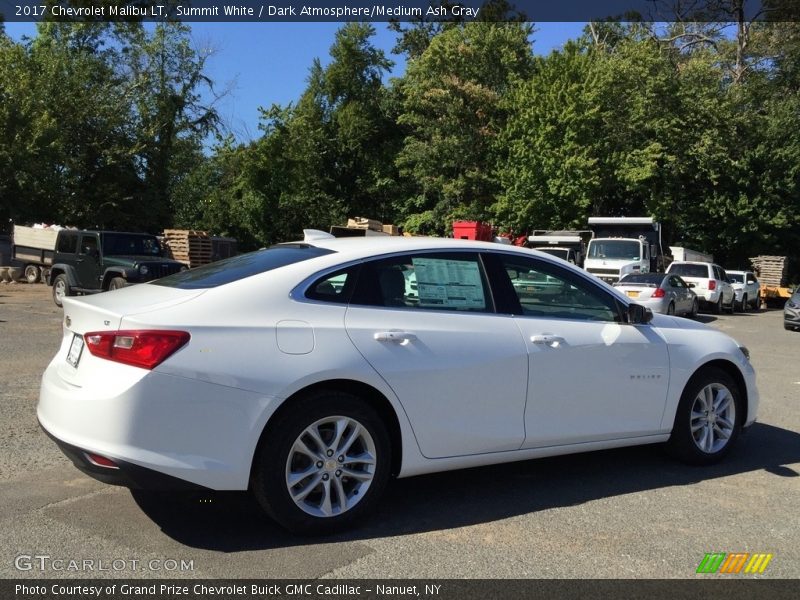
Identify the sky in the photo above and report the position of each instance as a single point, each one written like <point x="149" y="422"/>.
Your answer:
<point x="260" y="64"/>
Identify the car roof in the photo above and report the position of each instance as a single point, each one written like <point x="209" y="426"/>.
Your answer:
<point x="368" y="245"/>
<point x="692" y="262"/>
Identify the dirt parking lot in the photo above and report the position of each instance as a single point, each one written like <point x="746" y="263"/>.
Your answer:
<point x="629" y="513"/>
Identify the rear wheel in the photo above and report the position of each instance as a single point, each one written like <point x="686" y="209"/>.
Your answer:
<point x="323" y="465"/>
<point x="61" y="289"/>
<point x="671" y="309"/>
<point x="32" y="273"/>
<point x="708" y="419"/>
<point x="717" y="308"/>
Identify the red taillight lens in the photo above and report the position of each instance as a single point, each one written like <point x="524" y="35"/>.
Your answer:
<point x="145" y="349"/>
<point x="712" y="284"/>
<point x="659" y="293"/>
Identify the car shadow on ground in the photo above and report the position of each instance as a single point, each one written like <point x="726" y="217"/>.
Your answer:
<point x="232" y="522"/>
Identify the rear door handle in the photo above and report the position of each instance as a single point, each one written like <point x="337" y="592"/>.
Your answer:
<point x="548" y="339"/>
<point x="398" y="337"/>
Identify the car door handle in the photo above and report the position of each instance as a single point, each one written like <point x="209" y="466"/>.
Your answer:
<point x="548" y="339"/>
<point x="398" y="337"/>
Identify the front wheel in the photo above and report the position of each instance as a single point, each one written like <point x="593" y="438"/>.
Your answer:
<point x="743" y="307"/>
<point x="323" y="465"/>
<point x="708" y="419"/>
<point x="116" y="283"/>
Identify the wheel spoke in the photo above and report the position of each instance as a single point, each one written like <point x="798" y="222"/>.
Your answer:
<point x="724" y="423"/>
<point x="362" y="459"/>
<point x="313" y="433"/>
<point x="301" y="447"/>
<point x="354" y="433"/>
<point x="342" y="495"/>
<point x="360" y="475"/>
<point x="325" y="506"/>
<point x="721" y="433"/>
<point x="301" y="494"/>
<point x="294" y="478"/>
<point x="341" y="427"/>
<point x="699" y="426"/>
<point x="722" y="401"/>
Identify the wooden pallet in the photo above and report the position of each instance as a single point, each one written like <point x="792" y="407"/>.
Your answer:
<point x="189" y="246"/>
<point x="771" y="270"/>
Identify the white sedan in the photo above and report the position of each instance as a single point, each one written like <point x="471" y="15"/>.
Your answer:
<point x="308" y="374"/>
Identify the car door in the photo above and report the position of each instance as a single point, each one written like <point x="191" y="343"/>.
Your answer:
<point x="88" y="262"/>
<point x="683" y="298"/>
<point x="425" y="322"/>
<point x="727" y="289"/>
<point x="591" y="377"/>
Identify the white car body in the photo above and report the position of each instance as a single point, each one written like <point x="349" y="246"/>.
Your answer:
<point x="709" y="281"/>
<point x="605" y="260"/>
<point x="463" y="390"/>
<point x="745" y="287"/>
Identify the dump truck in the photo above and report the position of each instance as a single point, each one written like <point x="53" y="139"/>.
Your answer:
<point x="623" y="245"/>
<point x="32" y="250"/>
<point x="566" y="245"/>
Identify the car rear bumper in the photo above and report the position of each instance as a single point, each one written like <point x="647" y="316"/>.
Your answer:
<point x="160" y="429"/>
<point x="124" y="474"/>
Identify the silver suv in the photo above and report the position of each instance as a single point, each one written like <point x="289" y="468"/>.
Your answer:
<point x="709" y="281"/>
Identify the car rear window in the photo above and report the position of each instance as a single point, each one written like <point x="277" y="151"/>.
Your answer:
<point x="649" y="278"/>
<point x="688" y="270"/>
<point x="241" y="266"/>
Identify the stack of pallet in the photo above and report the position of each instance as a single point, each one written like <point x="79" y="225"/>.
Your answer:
<point x="771" y="270"/>
<point x="193" y="248"/>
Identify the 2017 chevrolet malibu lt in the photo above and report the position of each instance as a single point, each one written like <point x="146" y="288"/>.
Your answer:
<point x="312" y="372"/>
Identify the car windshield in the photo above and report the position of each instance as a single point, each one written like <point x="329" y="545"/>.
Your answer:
<point x="120" y="244"/>
<point x="627" y="249"/>
<point x="646" y="278"/>
<point x="736" y="277"/>
<point x="562" y="253"/>
<point x="689" y="270"/>
<point x="241" y="266"/>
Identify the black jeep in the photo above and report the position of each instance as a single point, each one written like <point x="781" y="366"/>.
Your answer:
<point x="87" y="262"/>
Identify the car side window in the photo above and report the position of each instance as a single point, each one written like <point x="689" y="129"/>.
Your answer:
<point x="545" y="290"/>
<point x="88" y="244"/>
<point x="751" y="278"/>
<point x="68" y="243"/>
<point x="676" y="282"/>
<point x="431" y="281"/>
<point x="334" y="287"/>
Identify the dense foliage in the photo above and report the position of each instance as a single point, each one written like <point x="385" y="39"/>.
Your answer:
<point x="697" y="125"/>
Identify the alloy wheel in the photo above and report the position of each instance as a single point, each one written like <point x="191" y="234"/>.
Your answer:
<point x="330" y="466"/>
<point x="712" y="418"/>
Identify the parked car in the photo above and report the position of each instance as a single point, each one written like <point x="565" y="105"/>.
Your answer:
<point x="791" y="312"/>
<point x="88" y="262"/>
<point x="709" y="281"/>
<point x="258" y="373"/>
<point x="746" y="289"/>
<point x="660" y="292"/>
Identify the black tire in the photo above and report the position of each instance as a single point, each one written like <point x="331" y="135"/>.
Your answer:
<point x="269" y="482"/>
<point x="671" y="309"/>
<point x="116" y="283"/>
<point x="695" y="309"/>
<point x="717" y="308"/>
<point x="61" y="288"/>
<point x="32" y="274"/>
<point x="743" y="304"/>
<point x="682" y="443"/>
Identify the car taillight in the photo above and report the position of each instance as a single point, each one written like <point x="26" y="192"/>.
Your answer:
<point x="139" y="348"/>
<point x="659" y="293"/>
<point x="712" y="284"/>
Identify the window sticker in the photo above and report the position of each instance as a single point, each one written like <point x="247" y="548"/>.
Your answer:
<point x="443" y="283"/>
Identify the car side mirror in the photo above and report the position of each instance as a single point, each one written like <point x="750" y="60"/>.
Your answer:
<point x="691" y="285"/>
<point x="639" y="315"/>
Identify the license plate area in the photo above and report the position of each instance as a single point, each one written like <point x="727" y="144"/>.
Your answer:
<point x="75" y="350"/>
<point x="632" y="294"/>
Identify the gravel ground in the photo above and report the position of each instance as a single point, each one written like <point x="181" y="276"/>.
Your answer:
<point x="629" y="513"/>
